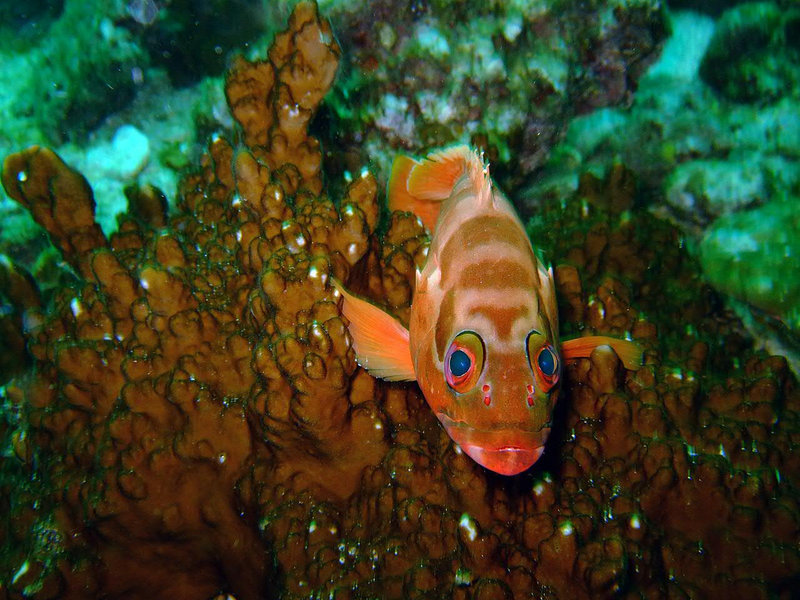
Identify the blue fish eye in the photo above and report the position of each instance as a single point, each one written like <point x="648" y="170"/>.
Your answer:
<point x="459" y="363"/>
<point x="547" y="362"/>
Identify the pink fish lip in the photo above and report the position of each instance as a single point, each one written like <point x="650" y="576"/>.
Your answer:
<point x="508" y="451"/>
<point x="507" y="460"/>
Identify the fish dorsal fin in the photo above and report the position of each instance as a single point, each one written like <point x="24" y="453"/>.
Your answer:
<point x="434" y="177"/>
<point x="420" y="186"/>
<point x="630" y="353"/>
<point x="380" y="341"/>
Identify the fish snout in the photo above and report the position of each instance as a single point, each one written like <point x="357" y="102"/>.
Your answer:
<point x="504" y="447"/>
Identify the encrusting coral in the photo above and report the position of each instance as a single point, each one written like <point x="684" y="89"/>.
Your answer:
<point x="202" y="428"/>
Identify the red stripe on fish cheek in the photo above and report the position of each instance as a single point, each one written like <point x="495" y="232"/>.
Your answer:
<point x="530" y="395"/>
<point x="487" y="398"/>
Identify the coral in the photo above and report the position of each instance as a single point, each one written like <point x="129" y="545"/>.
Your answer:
<point x="192" y="39"/>
<point x="76" y="72"/>
<point x="198" y="426"/>
<point x="79" y="72"/>
<point x="24" y="21"/>
<point x="18" y="294"/>
<point x="753" y="55"/>
<point x="506" y="75"/>
<point x="152" y="356"/>
<point x="750" y="255"/>
<point x="700" y="157"/>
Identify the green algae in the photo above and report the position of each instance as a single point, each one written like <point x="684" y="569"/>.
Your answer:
<point x="650" y="257"/>
<point x="752" y="255"/>
<point x="753" y="55"/>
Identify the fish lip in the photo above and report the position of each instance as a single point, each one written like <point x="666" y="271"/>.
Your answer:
<point x="507" y="460"/>
<point x="505" y="451"/>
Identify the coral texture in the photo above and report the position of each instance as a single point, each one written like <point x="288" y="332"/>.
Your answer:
<point x="506" y="76"/>
<point x="198" y="424"/>
<point x="727" y="173"/>
<point x="753" y="55"/>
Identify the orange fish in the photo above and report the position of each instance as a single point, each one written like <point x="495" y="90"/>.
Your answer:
<point x="482" y="340"/>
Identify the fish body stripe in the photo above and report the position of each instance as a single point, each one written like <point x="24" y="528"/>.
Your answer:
<point x="494" y="234"/>
<point x="488" y="273"/>
<point x="504" y="271"/>
<point x="503" y="318"/>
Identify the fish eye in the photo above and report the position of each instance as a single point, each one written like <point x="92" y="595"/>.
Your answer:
<point x="463" y="363"/>
<point x="544" y="360"/>
<point x="460" y="363"/>
<point x="547" y="361"/>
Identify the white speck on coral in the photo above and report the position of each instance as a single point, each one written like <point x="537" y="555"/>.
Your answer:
<point x="468" y="525"/>
<point x="20" y="572"/>
<point x="512" y="27"/>
<point x="566" y="528"/>
<point x="76" y="307"/>
<point x="395" y="116"/>
<point x="432" y="41"/>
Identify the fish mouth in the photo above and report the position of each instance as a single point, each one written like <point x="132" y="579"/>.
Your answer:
<point x="508" y="451"/>
<point x="508" y="460"/>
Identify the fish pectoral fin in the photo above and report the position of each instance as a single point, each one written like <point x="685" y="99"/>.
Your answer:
<point x="380" y="341"/>
<point x="630" y="353"/>
<point x="421" y="186"/>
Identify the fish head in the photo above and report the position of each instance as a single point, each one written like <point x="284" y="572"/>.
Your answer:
<point x="494" y="395"/>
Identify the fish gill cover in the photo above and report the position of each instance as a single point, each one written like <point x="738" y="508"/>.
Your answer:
<point x="195" y="424"/>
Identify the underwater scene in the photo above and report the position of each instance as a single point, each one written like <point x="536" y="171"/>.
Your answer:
<point x="419" y="299"/>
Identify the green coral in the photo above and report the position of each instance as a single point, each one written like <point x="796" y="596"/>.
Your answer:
<point x="81" y="71"/>
<point x="752" y="255"/>
<point x="754" y="55"/>
<point x="503" y="76"/>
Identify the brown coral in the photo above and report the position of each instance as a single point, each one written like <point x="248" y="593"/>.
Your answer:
<point x="205" y="429"/>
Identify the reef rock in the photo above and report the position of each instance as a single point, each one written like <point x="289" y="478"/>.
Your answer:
<point x="506" y="76"/>
<point x="754" y="53"/>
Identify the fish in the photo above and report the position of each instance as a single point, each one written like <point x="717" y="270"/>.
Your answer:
<point x="482" y="339"/>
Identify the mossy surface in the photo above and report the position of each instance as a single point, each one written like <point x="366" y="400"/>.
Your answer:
<point x="664" y="281"/>
<point x="752" y="255"/>
<point x="754" y="55"/>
